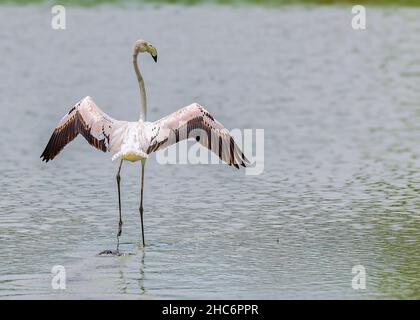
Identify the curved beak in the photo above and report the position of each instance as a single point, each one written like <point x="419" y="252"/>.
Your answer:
<point x="155" y="58"/>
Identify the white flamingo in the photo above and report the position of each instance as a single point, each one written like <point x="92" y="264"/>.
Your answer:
<point x="134" y="141"/>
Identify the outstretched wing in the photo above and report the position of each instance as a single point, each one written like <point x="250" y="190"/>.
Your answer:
<point x="194" y="121"/>
<point x="84" y="118"/>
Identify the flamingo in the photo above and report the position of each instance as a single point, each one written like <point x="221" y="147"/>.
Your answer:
<point x="134" y="141"/>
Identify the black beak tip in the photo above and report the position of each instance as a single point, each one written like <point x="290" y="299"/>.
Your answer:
<point x="154" y="58"/>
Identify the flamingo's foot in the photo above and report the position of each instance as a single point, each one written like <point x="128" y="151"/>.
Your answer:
<point x="110" y="252"/>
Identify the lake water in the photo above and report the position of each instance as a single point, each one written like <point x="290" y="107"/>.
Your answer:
<point x="341" y="181"/>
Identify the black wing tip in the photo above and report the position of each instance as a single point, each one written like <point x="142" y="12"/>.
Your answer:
<point x="242" y="164"/>
<point x="45" y="158"/>
<point x="242" y="161"/>
<point x="49" y="153"/>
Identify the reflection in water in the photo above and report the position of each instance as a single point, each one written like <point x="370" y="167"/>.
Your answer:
<point x="340" y="187"/>
<point x="125" y="281"/>
<point x="141" y="273"/>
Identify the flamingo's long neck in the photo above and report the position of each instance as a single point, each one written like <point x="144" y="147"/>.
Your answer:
<point x="143" y="109"/>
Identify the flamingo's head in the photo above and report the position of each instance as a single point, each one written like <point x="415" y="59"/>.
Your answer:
<point x="144" y="46"/>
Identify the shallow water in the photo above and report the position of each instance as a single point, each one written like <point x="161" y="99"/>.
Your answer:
<point x="341" y="114"/>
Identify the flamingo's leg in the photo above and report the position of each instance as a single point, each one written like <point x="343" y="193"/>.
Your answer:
<point x="143" y="162"/>
<point x="120" y="223"/>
